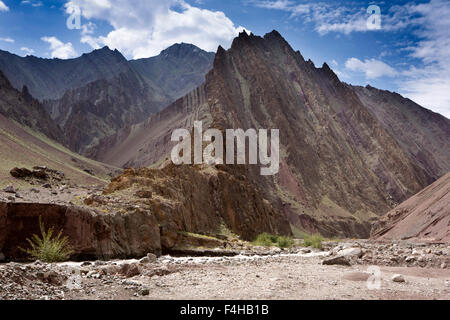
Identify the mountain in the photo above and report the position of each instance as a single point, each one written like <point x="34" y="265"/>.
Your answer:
<point x="93" y="96"/>
<point x="177" y="70"/>
<point x="51" y="78"/>
<point x="24" y="109"/>
<point x="424" y="216"/>
<point x="29" y="138"/>
<point x="100" y="108"/>
<point x="421" y="133"/>
<point x="341" y="166"/>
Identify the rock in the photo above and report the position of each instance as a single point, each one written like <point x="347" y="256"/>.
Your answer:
<point x="130" y="270"/>
<point x="143" y="194"/>
<point x="351" y="252"/>
<point x="10" y="189"/>
<point x="144" y="260"/>
<point x="305" y="250"/>
<point x="47" y="185"/>
<point x="34" y="190"/>
<point x="152" y="257"/>
<point x="2" y="257"/>
<point x="20" y="173"/>
<point x="398" y="278"/>
<point x="339" y="260"/>
<point x="144" y="292"/>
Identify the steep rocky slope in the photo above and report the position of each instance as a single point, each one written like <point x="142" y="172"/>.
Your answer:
<point x="423" y="134"/>
<point x="102" y="107"/>
<point x="22" y="147"/>
<point x="340" y="167"/>
<point x="425" y="216"/>
<point x="23" y="108"/>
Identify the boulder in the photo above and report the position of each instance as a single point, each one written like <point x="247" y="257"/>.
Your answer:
<point x="339" y="260"/>
<point x="10" y="189"/>
<point x="20" y="173"/>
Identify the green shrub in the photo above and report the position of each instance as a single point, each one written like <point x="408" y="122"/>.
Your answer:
<point x="49" y="248"/>
<point x="314" y="241"/>
<point x="285" y="242"/>
<point x="268" y="240"/>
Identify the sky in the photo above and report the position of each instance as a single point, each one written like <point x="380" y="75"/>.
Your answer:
<point x="401" y="46"/>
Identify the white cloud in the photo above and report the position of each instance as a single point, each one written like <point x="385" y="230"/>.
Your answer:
<point x="27" y="51"/>
<point x="10" y="40"/>
<point x="143" y="28"/>
<point x="430" y="85"/>
<point x="59" y="49"/>
<point x="3" y="6"/>
<point x="372" y="68"/>
<point x="335" y="17"/>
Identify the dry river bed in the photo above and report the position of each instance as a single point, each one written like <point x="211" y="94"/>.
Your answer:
<point x="294" y="274"/>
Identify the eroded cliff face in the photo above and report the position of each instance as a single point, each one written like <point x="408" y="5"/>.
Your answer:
<point x="92" y="234"/>
<point x="201" y="199"/>
<point x="341" y="168"/>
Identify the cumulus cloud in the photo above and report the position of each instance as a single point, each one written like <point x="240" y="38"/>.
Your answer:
<point x="143" y="28"/>
<point x="60" y="49"/>
<point x="3" y="6"/>
<point x="372" y="68"/>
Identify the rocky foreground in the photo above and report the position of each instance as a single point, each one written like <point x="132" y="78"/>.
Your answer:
<point x="347" y="270"/>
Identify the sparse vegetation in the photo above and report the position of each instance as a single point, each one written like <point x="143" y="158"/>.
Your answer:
<point x="269" y="240"/>
<point x="314" y="241"/>
<point x="48" y="248"/>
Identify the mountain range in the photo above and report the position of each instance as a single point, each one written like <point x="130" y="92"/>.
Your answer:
<point x="92" y="96"/>
<point x="349" y="154"/>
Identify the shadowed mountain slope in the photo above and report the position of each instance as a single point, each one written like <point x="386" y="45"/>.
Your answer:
<point x="93" y="96"/>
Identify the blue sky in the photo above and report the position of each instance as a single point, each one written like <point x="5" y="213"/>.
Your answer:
<point x="409" y="53"/>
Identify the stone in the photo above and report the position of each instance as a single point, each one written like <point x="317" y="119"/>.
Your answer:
<point x="339" y="260"/>
<point x="305" y="250"/>
<point x="2" y="257"/>
<point x="10" y="189"/>
<point x="144" y="260"/>
<point x="152" y="257"/>
<point x="20" y="173"/>
<point x="130" y="270"/>
<point x="398" y="278"/>
<point x="351" y="252"/>
<point x="144" y="292"/>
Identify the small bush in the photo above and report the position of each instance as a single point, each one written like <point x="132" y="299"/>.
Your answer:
<point x="48" y="248"/>
<point x="314" y="241"/>
<point x="268" y="240"/>
<point x="285" y="242"/>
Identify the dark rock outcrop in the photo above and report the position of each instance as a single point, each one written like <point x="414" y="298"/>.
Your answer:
<point x="92" y="234"/>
